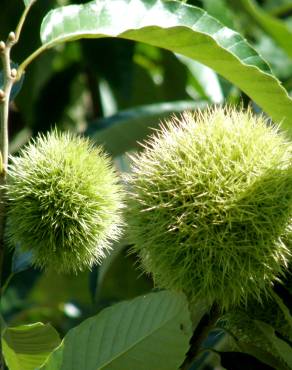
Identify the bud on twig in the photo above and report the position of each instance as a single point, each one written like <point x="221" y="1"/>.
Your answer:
<point x="13" y="73"/>
<point x="11" y="37"/>
<point x="2" y="46"/>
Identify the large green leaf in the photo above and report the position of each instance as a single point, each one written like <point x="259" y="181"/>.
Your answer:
<point x="122" y="132"/>
<point x="27" y="347"/>
<point x="149" y="332"/>
<point x="280" y="32"/>
<point x="180" y="28"/>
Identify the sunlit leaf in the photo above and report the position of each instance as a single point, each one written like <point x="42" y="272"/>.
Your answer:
<point x="206" y="78"/>
<point x="54" y="361"/>
<point x="276" y="28"/>
<point x="27" y="347"/>
<point x="181" y="28"/>
<point x="149" y="332"/>
<point x="29" y="2"/>
<point x="220" y="10"/>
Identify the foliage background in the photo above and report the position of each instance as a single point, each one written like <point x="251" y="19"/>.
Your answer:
<point x="81" y="87"/>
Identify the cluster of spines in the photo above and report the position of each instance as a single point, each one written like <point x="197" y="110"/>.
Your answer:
<point x="211" y="205"/>
<point x="64" y="202"/>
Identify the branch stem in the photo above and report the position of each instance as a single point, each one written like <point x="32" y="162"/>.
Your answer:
<point x="22" y="20"/>
<point x="9" y="78"/>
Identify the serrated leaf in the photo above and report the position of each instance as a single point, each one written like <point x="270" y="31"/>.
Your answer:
<point x="180" y="28"/>
<point x="27" y="347"/>
<point x="277" y="29"/>
<point x="122" y="131"/>
<point x="149" y="332"/>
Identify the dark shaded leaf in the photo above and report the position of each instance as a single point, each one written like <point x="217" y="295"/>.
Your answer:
<point x="123" y="131"/>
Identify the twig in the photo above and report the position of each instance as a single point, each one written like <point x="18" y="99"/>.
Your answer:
<point x="22" y="20"/>
<point x="9" y="75"/>
<point x="9" y="78"/>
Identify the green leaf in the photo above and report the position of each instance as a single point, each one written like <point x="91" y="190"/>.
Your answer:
<point x="27" y="347"/>
<point x="254" y="337"/>
<point x="181" y="28"/>
<point x="28" y="2"/>
<point x="285" y="311"/>
<point x="280" y="63"/>
<point x="207" y="81"/>
<point x="149" y="332"/>
<point x="110" y="285"/>
<point x="281" y="8"/>
<point x="54" y="361"/>
<point x="277" y="29"/>
<point x="250" y="347"/>
<point x="281" y="348"/>
<point x="220" y="10"/>
<point x="265" y="357"/>
<point x="122" y="132"/>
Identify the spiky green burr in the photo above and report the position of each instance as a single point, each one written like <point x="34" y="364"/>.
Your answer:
<point x="211" y="205"/>
<point x="64" y="202"/>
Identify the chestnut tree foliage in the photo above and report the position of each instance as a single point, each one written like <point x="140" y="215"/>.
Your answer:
<point x="121" y="251"/>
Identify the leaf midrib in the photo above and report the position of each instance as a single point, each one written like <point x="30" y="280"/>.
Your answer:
<point x="129" y="348"/>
